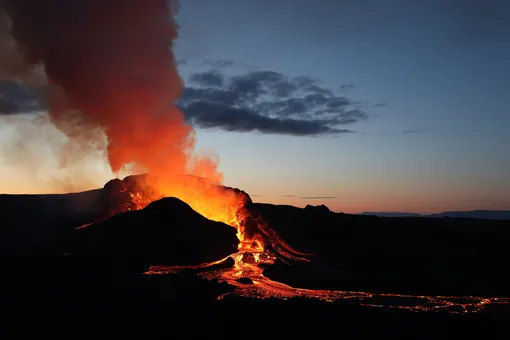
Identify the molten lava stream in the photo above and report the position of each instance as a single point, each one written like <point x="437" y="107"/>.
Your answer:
<point x="248" y="263"/>
<point x="260" y="246"/>
<point x="263" y="288"/>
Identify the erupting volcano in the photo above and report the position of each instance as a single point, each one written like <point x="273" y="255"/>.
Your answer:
<point x="215" y="202"/>
<point x="118" y="74"/>
<point x="108" y="66"/>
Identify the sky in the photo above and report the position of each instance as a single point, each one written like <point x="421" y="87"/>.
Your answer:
<point x="431" y="77"/>
<point x="361" y="105"/>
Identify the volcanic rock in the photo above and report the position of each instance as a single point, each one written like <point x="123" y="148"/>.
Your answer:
<point x="185" y="289"/>
<point x="166" y="232"/>
<point x="318" y="209"/>
<point x="310" y="275"/>
<point x="104" y="262"/>
<point x="411" y="255"/>
<point x="248" y="258"/>
<point x="245" y="281"/>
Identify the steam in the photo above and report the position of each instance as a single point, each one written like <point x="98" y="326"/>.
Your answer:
<point x="37" y="158"/>
<point x="110" y="80"/>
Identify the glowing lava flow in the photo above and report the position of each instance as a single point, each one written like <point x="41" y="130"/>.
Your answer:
<point x="259" y="246"/>
<point x="250" y="260"/>
<point x="265" y="247"/>
<point x="248" y="266"/>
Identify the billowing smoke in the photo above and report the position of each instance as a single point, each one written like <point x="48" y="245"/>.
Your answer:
<point x="108" y="65"/>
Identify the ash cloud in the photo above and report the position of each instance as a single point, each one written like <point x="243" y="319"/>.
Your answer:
<point x="267" y="102"/>
<point x="109" y="66"/>
<point x="100" y="69"/>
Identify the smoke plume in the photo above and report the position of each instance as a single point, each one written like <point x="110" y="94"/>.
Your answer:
<point x="108" y="65"/>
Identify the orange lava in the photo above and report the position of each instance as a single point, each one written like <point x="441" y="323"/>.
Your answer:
<point x="259" y="246"/>
<point x="264" y="288"/>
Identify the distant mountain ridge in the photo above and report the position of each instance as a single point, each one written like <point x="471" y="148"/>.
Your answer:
<point x="479" y="214"/>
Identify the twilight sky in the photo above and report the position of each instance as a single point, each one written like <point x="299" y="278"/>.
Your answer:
<point x="425" y="87"/>
<point x="362" y="105"/>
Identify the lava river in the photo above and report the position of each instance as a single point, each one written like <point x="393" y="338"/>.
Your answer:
<point x="263" y="288"/>
<point x="259" y="247"/>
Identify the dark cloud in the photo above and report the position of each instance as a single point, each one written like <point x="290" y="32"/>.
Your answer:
<point x="345" y="87"/>
<point x="289" y="195"/>
<point x="16" y="98"/>
<point x="257" y="83"/>
<point x="218" y="116"/>
<point x="211" y="78"/>
<point x="209" y="95"/>
<point x="412" y="131"/>
<point x="256" y="101"/>
<point x="266" y="102"/>
<point x="319" y="90"/>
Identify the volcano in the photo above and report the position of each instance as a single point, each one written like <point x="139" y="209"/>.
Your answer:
<point x="172" y="245"/>
<point x="128" y="242"/>
<point x="229" y="205"/>
<point x="166" y="231"/>
<point x="128" y="245"/>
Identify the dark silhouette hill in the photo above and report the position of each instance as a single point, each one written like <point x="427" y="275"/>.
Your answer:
<point x="480" y="214"/>
<point x="168" y="231"/>
<point x="105" y="261"/>
<point x="392" y="214"/>
<point x="28" y="219"/>
<point x="419" y="255"/>
<point x="49" y="261"/>
<point x="32" y="219"/>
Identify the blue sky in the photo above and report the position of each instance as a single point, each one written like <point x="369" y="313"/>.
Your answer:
<point x="362" y="105"/>
<point x="432" y="76"/>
